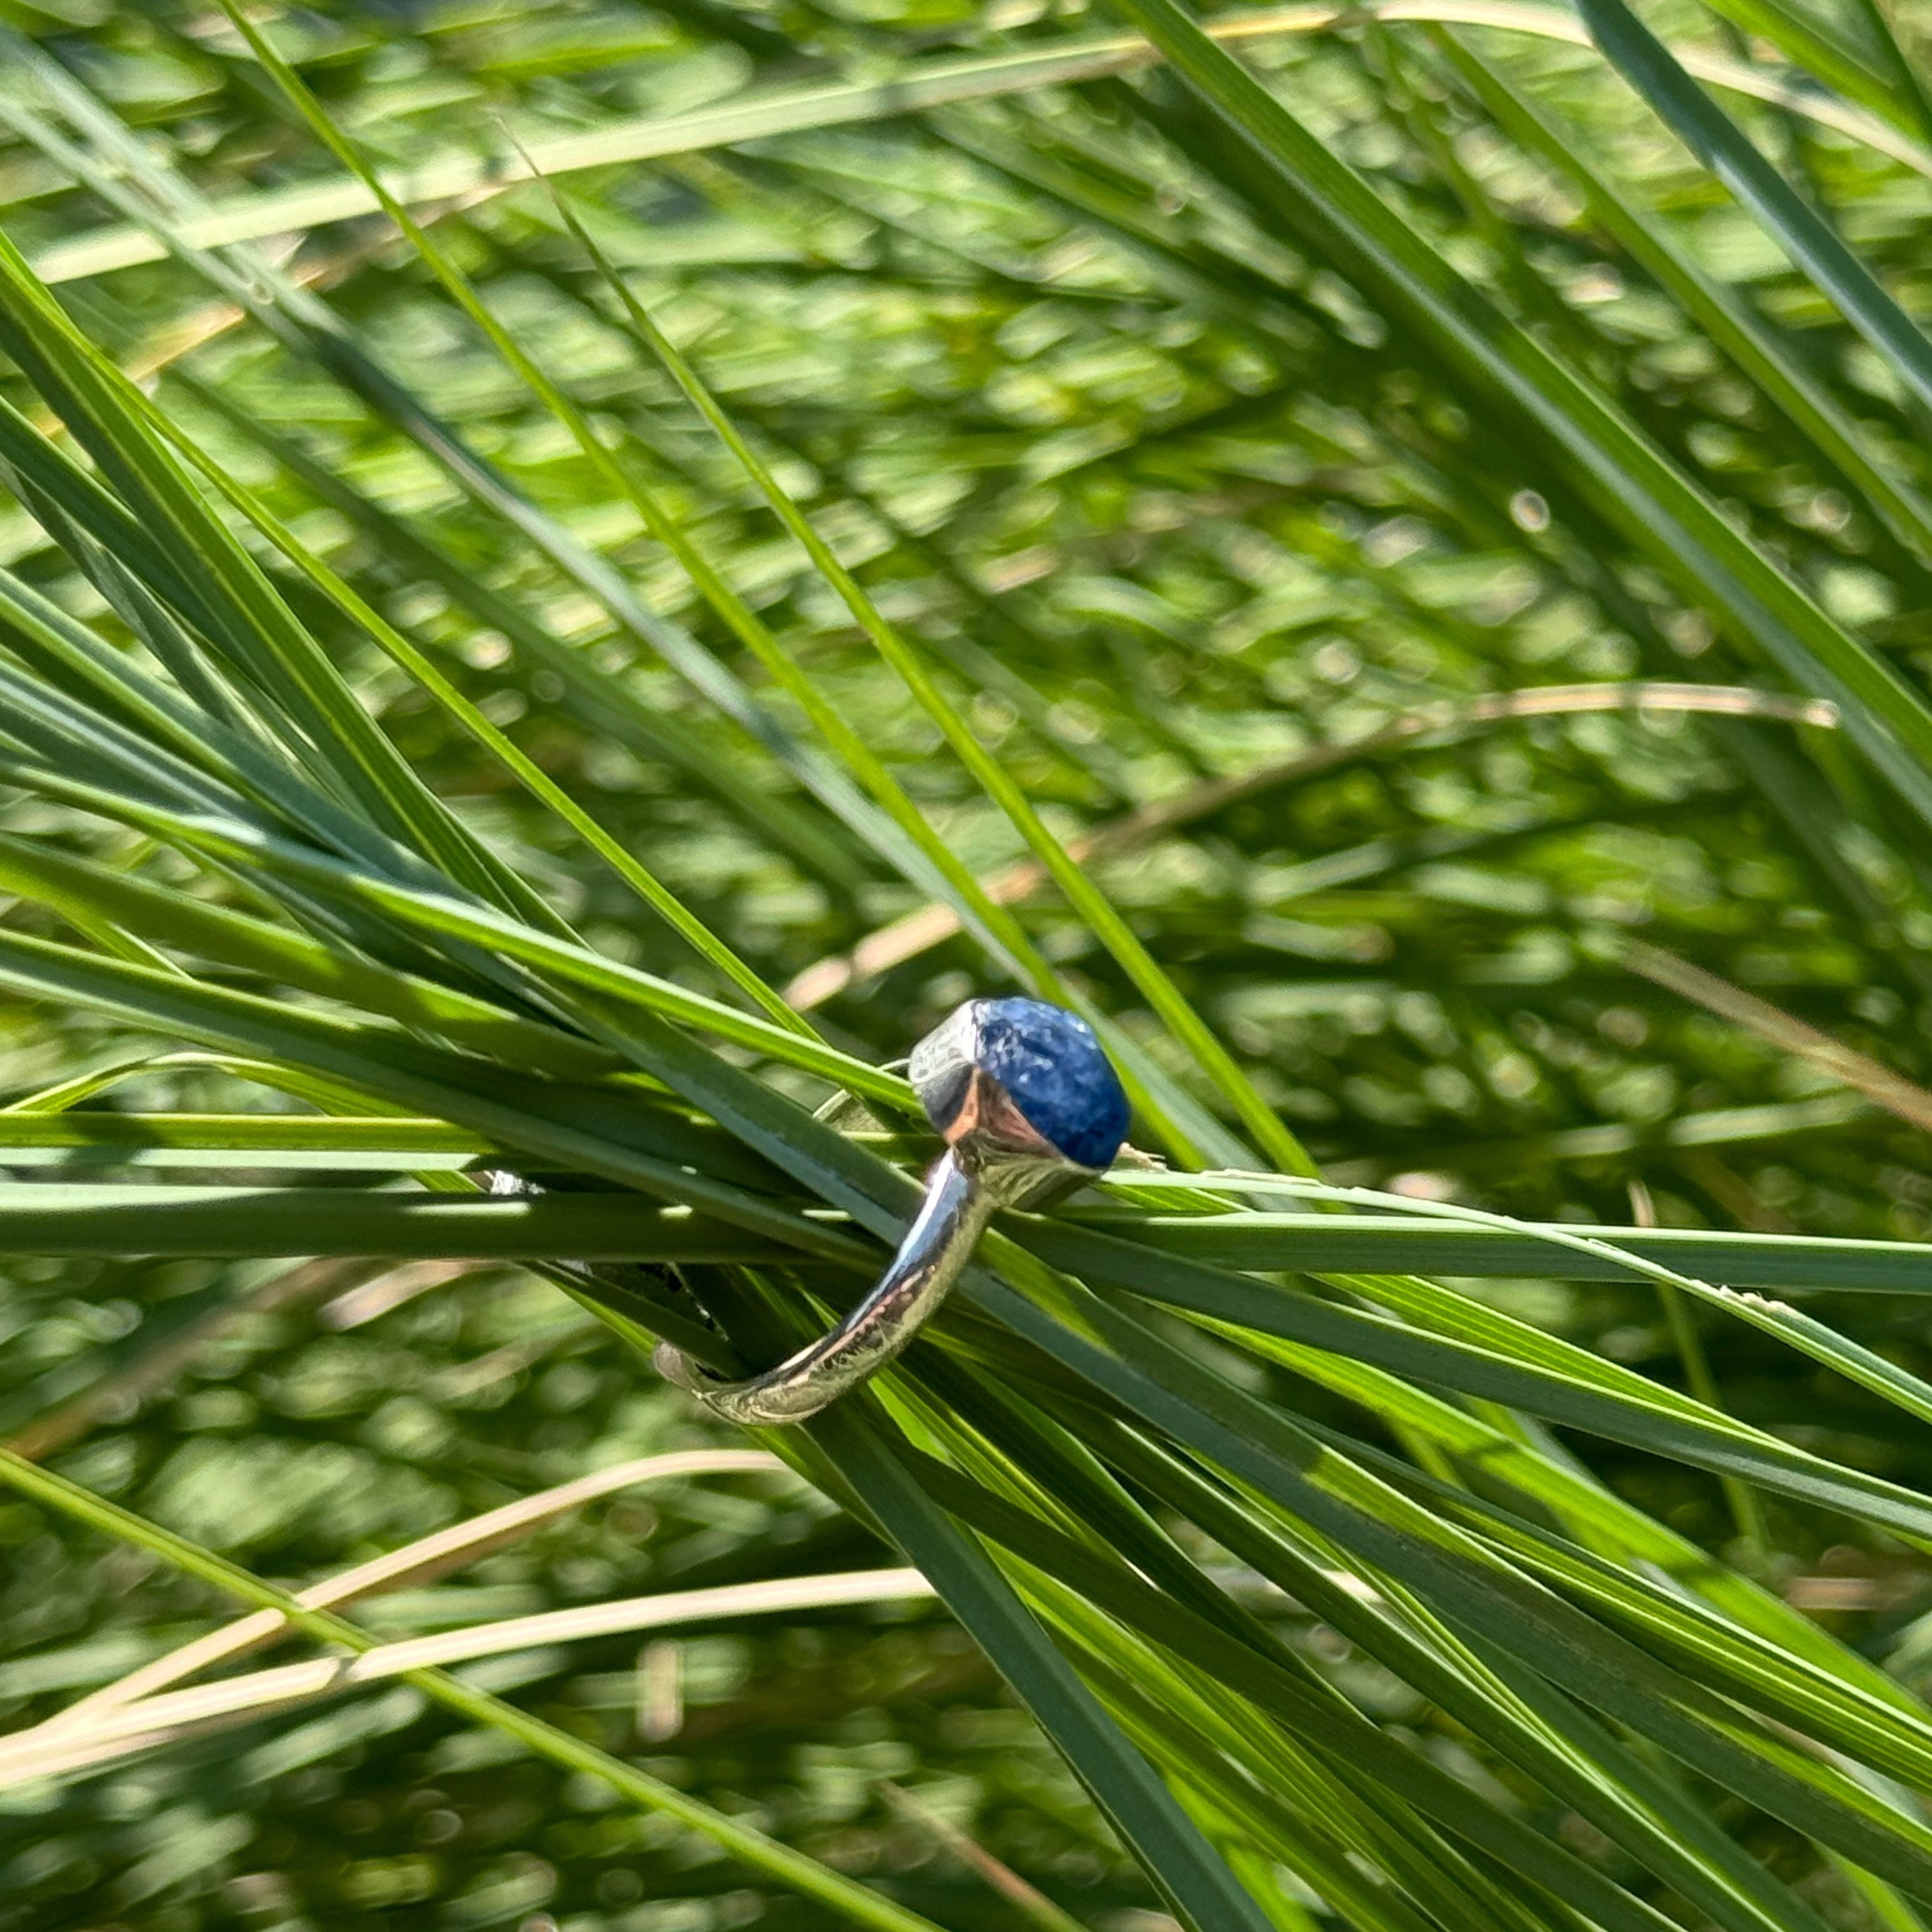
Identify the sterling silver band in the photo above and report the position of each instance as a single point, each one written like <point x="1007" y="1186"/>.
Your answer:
<point x="937" y="1247"/>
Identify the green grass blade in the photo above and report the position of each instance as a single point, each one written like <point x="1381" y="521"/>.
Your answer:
<point x="605" y="702"/>
<point x="1374" y="1243"/>
<point x="448" y="918"/>
<point x="1172" y="1851"/>
<point x="130" y="1218"/>
<point x="108" y="418"/>
<point x="1354" y="1750"/>
<point x="551" y="1124"/>
<point x="1908" y="84"/>
<point x="1585" y="1393"/>
<point x="994" y="922"/>
<point x="1212" y="1682"/>
<point x="1821" y="48"/>
<point x="1257" y="1444"/>
<point x="1849" y="1359"/>
<point x="1724" y="317"/>
<point x="527" y="773"/>
<point x="295" y="315"/>
<point x="1799" y="229"/>
<point x="1154" y="985"/>
<point x="203" y="929"/>
<point x="1674" y="1840"/>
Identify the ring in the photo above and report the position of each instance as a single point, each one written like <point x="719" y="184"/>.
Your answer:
<point x="1030" y="1107"/>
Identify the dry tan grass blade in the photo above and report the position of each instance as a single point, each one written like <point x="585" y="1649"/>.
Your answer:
<point x="1876" y="1082"/>
<point x="77" y="1740"/>
<point x="424" y="1560"/>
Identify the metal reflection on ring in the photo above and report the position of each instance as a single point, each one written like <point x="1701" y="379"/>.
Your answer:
<point x="1030" y="1108"/>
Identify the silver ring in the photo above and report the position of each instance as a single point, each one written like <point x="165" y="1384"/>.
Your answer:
<point x="1030" y="1108"/>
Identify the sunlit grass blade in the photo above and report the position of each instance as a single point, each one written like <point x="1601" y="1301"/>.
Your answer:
<point x="1222" y="1658"/>
<point x="132" y="1218"/>
<point x="1258" y="1445"/>
<point x="1175" y="1854"/>
<point x="1255" y="1115"/>
<point x="1725" y="316"/>
<point x="205" y="930"/>
<point x="234" y="1140"/>
<point x="294" y="314"/>
<point x="109" y="420"/>
<point x="230" y="843"/>
<point x="608" y="704"/>
<point x="999" y="926"/>
<point x="1530" y="1723"/>
<point x="1559" y="1385"/>
<point x="665" y="903"/>
<point x="1591" y="1513"/>
<point x="1908" y="83"/>
<point x="1369" y="1244"/>
<point x="1820" y="46"/>
<point x="1797" y="228"/>
<point x="426" y="1557"/>
<point x="381" y="1062"/>
<point x="1850" y="1359"/>
<point x="1354" y="1751"/>
<point x="1876" y="1730"/>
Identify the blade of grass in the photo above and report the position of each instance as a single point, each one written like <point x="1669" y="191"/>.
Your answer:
<point x="1818" y="46"/>
<point x="134" y="1219"/>
<point x="1360" y="1244"/>
<point x="1259" y="1445"/>
<point x="38" y="871"/>
<point x="430" y="912"/>
<point x="605" y="702"/>
<point x="1878" y="1083"/>
<point x="1658" y="79"/>
<point x="1028" y="1900"/>
<point x="548" y="1124"/>
<point x="1724" y="317"/>
<point x="1908" y="84"/>
<point x="527" y="772"/>
<point x="1354" y="1749"/>
<point x="109" y="1737"/>
<point x="1670" y="1838"/>
<point x="917" y="932"/>
<point x="296" y="316"/>
<point x="1850" y="1359"/>
<point x="1170" y="1848"/>
<point x="998" y="929"/>
<point x="1747" y="1512"/>
<point x="108" y="412"/>
<point x="1162" y="994"/>
<point x="1394" y="1851"/>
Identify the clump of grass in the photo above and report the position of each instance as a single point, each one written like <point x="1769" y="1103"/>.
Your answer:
<point x="1375" y="556"/>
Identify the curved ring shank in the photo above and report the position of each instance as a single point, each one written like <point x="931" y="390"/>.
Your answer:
<point x="936" y="1249"/>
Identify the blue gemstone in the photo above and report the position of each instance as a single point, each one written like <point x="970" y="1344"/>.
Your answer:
<point x="1049" y="1061"/>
